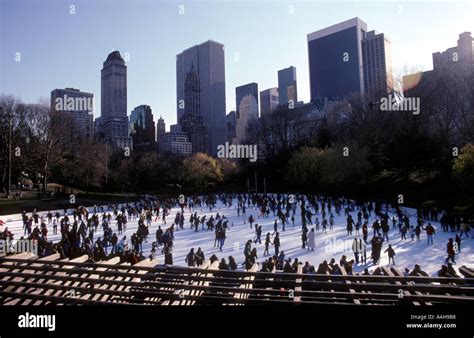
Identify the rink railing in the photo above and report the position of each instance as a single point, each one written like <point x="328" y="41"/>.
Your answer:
<point x="25" y="279"/>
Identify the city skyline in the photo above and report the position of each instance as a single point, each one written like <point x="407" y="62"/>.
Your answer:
<point x="151" y="76"/>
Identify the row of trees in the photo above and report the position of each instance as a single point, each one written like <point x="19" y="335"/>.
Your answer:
<point x="42" y="153"/>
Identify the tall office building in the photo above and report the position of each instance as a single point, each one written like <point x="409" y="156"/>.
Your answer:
<point x="377" y="65"/>
<point x="231" y="122"/>
<point x="114" y="121"/>
<point x="335" y="60"/>
<point x="447" y="65"/>
<point x="142" y="127"/>
<point x="462" y="54"/>
<point x="160" y="130"/>
<point x="79" y="106"/>
<point x="242" y="91"/>
<point x="160" y="127"/>
<point x="248" y="112"/>
<point x="208" y="61"/>
<point x="269" y="100"/>
<point x="191" y="121"/>
<point x="287" y="88"/>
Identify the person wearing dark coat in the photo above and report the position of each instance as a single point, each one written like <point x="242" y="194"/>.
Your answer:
<point x="391" y="254"/>
<point x="223" y="265"/>
<point x="258" y="232"/>
<point x="232" y="263"/>
<point x="287" y="267"/>
<point x="267" y="244"/>
<point x="213" y="259"/>
<point x="248" y="249"/>
<point x="304" y="238"/>
<point x="191" y="258"/>
<point x="200" y="257"/>
<point x="167" y="251"/>
<point x="350" y="224"/>
<point x="276" y="243"/>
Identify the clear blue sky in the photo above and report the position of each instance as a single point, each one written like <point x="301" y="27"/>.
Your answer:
<point x="62" y="50"/>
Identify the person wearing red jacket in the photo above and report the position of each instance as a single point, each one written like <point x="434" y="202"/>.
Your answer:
<point x="450" y="251"/>
<point x="430" y="231"/>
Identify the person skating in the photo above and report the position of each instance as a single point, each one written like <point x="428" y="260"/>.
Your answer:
<point x="258" y="233"/>
<point x="222" y="238"/>
<point x="385" y="228"/>
<point x="267" y="244"/>
<point x="458" y="243"/>
<point x="464" y="228"/>
<point x="304" y="238"/>
<point x="247" y="249"/>
<point x="350" y="224"/>
<point x="418" y="232"/>
<point x="365" y="231"/>
<point x="276" y="243"/>
<point x="356" y="249"/>
<point x="430" y="231"/>
<point x="311" y="240"/>
<point x="251" y="220"/>
<point x="275" y="227"/>
<point x="391" y="254"/>
<point x="363" y="251"/>
<point x="450" y="251"/>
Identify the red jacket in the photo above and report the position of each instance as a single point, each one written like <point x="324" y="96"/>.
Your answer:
<point x="450" y="248"/>
<point x="430" y="230"/>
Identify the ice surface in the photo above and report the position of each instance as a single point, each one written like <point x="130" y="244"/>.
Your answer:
<point x="329" y="245"/>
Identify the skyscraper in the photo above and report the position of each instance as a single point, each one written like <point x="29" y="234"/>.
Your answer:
<point x="191" y="121"/>
<point x="287" y="88"/>
<point x="160" y="127"/>
<point x="461" y="54"/>
<point x="142" y="127"/>
<point x="79" y="106"/>
<point x="335" y="60"/>
<point x="208" y="61"/>
<point x="242" y="91"/>
<point x="160" y="130"/>
<point x="448" y="65"/>
<point x="114" y="121"/>
<point x="269" y="100"/>
<point x="377" y="64"/>
<point x="248" y="112"/>
<point x="231" y="122"/>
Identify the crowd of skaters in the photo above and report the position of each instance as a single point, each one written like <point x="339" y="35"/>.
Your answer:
<point x="316" y="213"/>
